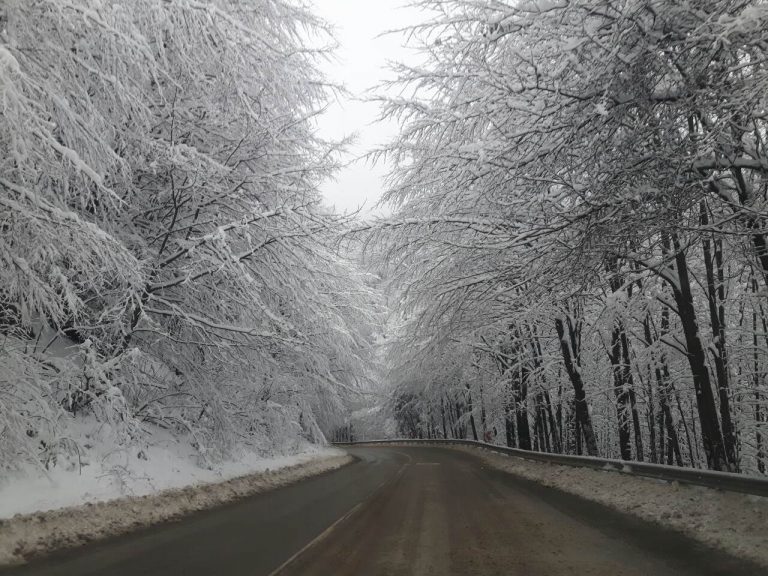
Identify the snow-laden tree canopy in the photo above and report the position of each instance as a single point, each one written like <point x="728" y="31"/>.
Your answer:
<point x="581" y="190"/>
<point x="165" y="260"/>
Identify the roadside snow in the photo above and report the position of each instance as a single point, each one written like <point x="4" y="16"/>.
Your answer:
<point x="42" y="532"/>
<point x="107" y="472"/>
<point x="735" y="523"/>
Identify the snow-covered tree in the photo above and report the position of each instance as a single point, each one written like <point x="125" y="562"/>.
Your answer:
<point x="161" y="216"/>
<point x="589" y="178"/>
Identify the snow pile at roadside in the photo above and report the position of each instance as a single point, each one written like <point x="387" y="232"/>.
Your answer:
<point x="736" y="523"/>
<point x="105" y="470"/>
<point x="25" y="536"/>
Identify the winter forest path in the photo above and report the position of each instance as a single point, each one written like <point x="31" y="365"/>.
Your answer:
<point x="401" y="511"/>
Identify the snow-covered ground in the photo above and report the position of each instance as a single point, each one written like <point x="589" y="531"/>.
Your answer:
<point x="733" y="522"/>
<point x="106" y="471"/>
<point x="71" y="508"/>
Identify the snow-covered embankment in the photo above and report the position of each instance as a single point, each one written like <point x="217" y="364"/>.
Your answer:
<point x="23" y="536"/>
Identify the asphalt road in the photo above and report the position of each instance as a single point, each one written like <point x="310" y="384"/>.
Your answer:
<point x="405" y="510"/>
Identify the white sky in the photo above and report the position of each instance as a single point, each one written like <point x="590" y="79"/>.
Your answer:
<point x="360" y="65"/>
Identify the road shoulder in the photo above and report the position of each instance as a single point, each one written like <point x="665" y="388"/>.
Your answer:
<point x="731" y="522"/>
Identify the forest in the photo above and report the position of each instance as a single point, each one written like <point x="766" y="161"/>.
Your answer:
<point x="575" y="257"/>
<point x="579" y="240"/>
<point x="166" y="258"/>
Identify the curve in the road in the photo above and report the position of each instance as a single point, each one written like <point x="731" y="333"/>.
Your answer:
<point x="402" y="510"/>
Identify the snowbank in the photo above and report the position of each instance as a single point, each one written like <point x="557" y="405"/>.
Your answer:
<point x="735" y="523"/>
<point x="48" y="529"/>
<point x="105" y="470"/>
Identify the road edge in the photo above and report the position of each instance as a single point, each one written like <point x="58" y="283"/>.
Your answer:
<point x="29" y="536"/>
<point x="570" y="480"/>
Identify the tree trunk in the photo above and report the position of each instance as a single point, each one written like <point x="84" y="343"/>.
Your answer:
<point x="442" y="416"/>
<point x="711" y="434"/>
<point x="622" y="396"/>
<point x="619" y="370"/>
<point x="651" y="418"/>
<point x="523" y="427"/>
<point x="521" y="409"/>
<point x="715" y="298"/>
<point x="570" y="351"/>
<point x="537" y="362"/>
<point x="630" y="384"/>
<point x="661" y="418"/>
<point x="483" y="424"/>
<point x="756" y="381"/>
<point x="509" y="422"/>
<point x="559" y="416"/>
<point x="576" y="430"/>
<point x="471" y="414"/>
<point x="462" y="429"/>
<point x="666" y="386"/>
<point x="542" y="408"/>
<point x="553" y="427"/>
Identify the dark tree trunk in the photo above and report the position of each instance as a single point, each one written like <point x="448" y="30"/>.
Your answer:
<point x="442" y="417"/>
<point x="756" y="380"/>
<point x="518" y="430"/>
<point x="537" y="362"/>
<point x="715" y="298"/>
<point x="711" y="434"/>
<point x="570" y="350"/>
<point x="619" y="371"/>
<point x="541" y="409"/>
<point x="673" y="440"/>
<point x="761" y="248"/>
<point x="560" y="416"/>
<point x="665" y="386"/>
<point x="661" y="418"/>
<point x="553" y="427"/>
<point x="759" y="448"/>
<point x="521" y="410"/>
<point x="523" y="427"/>
<point x="624" y="386"/>
<point x="509" y="423"/>
<point x="630" y="383"/>
<point x="462" y="429"/>
<point x="577" y="431"/>
<point x="483" y="423"/>
<point x="471" y="414"/>
<point x="651" y="417"/>
<point x="622" y="395"/>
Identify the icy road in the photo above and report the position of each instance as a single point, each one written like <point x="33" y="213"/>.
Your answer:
<point x="400" y="510"/>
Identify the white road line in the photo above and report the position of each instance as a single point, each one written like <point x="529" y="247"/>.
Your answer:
<point x="330" y="528"/>
<point x="317" y="539"/>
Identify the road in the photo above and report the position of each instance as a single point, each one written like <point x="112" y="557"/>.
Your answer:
<point x="400" y="510"/>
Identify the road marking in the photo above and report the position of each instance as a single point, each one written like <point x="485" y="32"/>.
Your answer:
<point x="408" y="456"/>
<point x="330" y="528"/>
<point x="427" y="464"/>
<point x="317" y="539"/>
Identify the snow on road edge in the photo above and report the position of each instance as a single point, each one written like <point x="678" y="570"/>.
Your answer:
<point x="733" y="522"/>
<point x="25" y="536"/>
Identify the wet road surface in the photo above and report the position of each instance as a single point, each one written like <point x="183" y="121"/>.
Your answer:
<point x="401" y="511"/>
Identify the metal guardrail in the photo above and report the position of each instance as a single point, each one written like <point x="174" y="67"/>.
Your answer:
<point x="728" y="481"/>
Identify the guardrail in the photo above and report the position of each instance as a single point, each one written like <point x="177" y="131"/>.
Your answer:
<point x="743" y="483"/>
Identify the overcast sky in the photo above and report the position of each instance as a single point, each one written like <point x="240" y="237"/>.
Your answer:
<point x="361" y="64"/>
